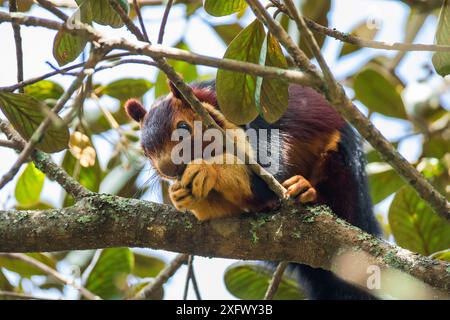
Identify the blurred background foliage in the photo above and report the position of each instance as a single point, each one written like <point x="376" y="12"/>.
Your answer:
<point x="118" y="273"/>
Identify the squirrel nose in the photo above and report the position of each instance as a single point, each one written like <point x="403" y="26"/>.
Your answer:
<point x="168" y="168"/>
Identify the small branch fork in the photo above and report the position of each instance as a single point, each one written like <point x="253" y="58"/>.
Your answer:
<point x="51" y="272"/>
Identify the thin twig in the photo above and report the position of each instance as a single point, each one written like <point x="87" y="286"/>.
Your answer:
<point x="276" y="280"/>
<point x="18" y="41"/>
<point x="194" y="282"/>
<point x="51" y="272"/>
<point x="49" y="6"/>
<point x="312" y="46"/>
<point x="44" y="163"/>
<point x="162" y="277"/>
<point x="137" y="8"/>
<point x="130" y="25"/>
<point x="366" y="43"/>
<point x="65" y="70"/>
<point x="340" y="102"/>
<point x="165" y="17"/>
<point x="38" y="134"/>
<point x="188" y="277"/>
<point x="8" y="144"/>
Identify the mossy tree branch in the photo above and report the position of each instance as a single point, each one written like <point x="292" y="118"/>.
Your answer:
<point x="311" y="236"/>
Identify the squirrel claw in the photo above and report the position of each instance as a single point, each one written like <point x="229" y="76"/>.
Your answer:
<point x="300" y="189"/>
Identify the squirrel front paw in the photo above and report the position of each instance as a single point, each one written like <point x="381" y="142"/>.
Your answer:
<point x="200" y="177"/>
<point x="181" y="197"/>
<point x="300" y="189"/>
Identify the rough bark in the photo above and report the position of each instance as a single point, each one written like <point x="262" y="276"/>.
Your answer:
<point x="312" y="236"/>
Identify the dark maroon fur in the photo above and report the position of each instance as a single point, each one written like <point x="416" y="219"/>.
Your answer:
<point x="135" y="110"/>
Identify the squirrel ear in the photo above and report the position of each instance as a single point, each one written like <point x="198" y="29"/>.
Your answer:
<point x="135" y="110"/>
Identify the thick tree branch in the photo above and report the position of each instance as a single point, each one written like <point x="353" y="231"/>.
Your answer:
<point x="311" y="236"/>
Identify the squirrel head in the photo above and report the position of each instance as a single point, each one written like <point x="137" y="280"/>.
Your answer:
<point x="169" y="114"/>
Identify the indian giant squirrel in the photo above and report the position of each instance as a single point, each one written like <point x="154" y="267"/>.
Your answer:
<point x="321" y="162"/>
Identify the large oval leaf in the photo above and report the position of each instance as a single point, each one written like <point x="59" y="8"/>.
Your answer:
<point x="219" y="8"/>
<point x="383" y="184"/>
<point x="274" y="92"/>
<point x="26" y="114"/>
<point x="415" y="226"/>
<point x="108" y="277"/>
<point x="378" y="94"/>
<point x="227" y="32"/>
<point x="103" y="13"/>
<point x="44" y="89"/>
<point x="124" y="89"/>
<point x="441" y="60"/>
<point x="236" y="91"/>
<point x="67" y="47"/>
<point x="147" y="266"/>
<point x="29" y="186"/>
<point x="250" y="282"/>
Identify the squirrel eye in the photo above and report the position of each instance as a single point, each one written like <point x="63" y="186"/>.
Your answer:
<point x="184" y="125"/>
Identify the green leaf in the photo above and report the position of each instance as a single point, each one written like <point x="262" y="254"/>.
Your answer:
<point x="362" y="30"/>
<point x="103" y="13"/>
<point x="383" y="184"/>
<point x="5" y="285"/>
<point x="108" y="277"/>
<point x="236" y="91"/>
<point x="186" y="70"/>
<point x="441" y="60"/>
<point x="29" y="186"/>
<point x="436" y="146"/>
<point x="274" y="92"/>
<point x="415" y="226"/>
<point x="147" y="266"/>
<point x="219" y="8"/>
<point x="316" y="10"/>
<point x="36" y="206"/>
<point x="250" y="282"/>
<point x="44" y="89"/>
<point x="372" y="155"/>
<point x="442" y="255"/>
<point x="378" y="94"/>
<point x="26" y="114"/>
<point x="26" y="270"/>
<point x="124" y="89"/>
<point x="67" y="47"/>
<point x="227" y="32"/>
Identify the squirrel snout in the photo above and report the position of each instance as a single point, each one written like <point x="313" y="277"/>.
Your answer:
<point x="170" y="169"/>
